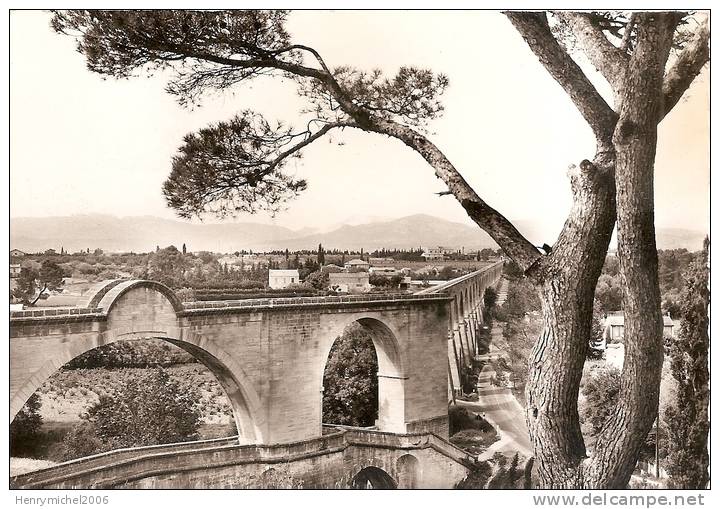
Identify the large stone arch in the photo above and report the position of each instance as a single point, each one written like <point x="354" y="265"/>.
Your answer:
<point x="137" y="310"/>
<point x="391" y="368"/>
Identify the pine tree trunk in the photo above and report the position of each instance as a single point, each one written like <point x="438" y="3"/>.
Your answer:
<point x="566" y="283"/>
<point x="635" y="141"/>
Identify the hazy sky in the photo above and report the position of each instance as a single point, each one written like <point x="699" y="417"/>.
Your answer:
<point x="82" y="144"/>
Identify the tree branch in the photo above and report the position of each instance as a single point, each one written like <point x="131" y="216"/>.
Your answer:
<point x="687" y="66"/>
<point x="517" y="247"/>
<point x="627" y="34"/>
<point x="39" y="295"/>
<point x="534" y="28"/>
<point x="307" y="141"/>
<point x="272" y="63"/>
<point x="610" y="60"/>
<point x="310" y="50"/>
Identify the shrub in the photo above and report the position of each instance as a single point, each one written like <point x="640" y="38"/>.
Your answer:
<point x="318" y="280"/>
<point x="506" y="477"/>
<point x="81" y="441"/>
<point x="461" y="419"/>
<point x="146" y="409"/>
<point x="468" y="380"/>
<point x="474" y="441"/>
<point x="490" y="297"/>
<point x="484" y="338"/>
<point x="601" y="391"/>
<point x="477" y="478"/>
<point x="186" y="295"/>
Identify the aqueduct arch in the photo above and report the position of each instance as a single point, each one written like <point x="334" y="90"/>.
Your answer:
<point x="271" y="354"/>
<point x="268" y="354"/>
<point x="124" y="323"/>
<point x="391" y="373"/>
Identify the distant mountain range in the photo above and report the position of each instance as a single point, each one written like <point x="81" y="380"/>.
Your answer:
<point x="144" y="233"/>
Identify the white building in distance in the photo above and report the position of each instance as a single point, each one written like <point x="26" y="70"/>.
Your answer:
<point x="437" y="253"/>
<point x="357" y="264"/>
<point x="278" y="279"/>
<point x="614" y="327"/>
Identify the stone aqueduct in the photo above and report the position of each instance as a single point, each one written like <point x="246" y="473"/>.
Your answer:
<point x="269" y="356"/>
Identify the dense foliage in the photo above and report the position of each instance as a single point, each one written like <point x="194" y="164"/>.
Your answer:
<point x="25" y="428"/>
<point x="490" y="297"/>
<point x="49" y="276"/>
<point x="522" y="298"/>
<point x="602" y="391"/>
<point x="477" y="478"/>
<point x="507" y="476"/>
<point x="671" y="264"/>
<point x="25" y="285"/>
<point x="381" y="281"/>
<point x="146" y="409"/>
<point x="350" y="382"/>
<point x="687" y="418"/>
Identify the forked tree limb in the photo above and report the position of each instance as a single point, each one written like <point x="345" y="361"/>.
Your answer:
<point x="610" y="60"/>
<point x="534" y="28"/>
<point x="305" y="142"/>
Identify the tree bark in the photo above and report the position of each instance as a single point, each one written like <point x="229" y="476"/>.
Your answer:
<point x="566" y="281"/>
<point x="635" y="141"/>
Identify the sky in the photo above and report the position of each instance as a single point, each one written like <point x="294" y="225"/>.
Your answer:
<point x="82" y="144"/>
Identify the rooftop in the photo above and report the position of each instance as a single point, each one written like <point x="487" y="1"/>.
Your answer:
<point x="618" y="318"/>
<point x="283" y="272"/>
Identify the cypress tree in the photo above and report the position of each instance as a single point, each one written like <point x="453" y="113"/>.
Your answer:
<point x="687" y="419"/>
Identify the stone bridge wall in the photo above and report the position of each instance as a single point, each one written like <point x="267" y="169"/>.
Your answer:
<point x="466" y="315"/>
<point x="269" y="354"/>
<point x="330" y="461"/>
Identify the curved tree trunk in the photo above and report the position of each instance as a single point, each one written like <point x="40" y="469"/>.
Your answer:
<point x="566" y="282"/>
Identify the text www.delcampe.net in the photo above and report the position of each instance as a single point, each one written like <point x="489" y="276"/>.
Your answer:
<point x="619" y="500"/>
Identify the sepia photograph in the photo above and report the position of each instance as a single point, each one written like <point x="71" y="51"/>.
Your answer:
<point x="317" y="249"/>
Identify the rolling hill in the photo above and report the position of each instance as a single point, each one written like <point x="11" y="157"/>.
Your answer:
<point x="143" y="233"/>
